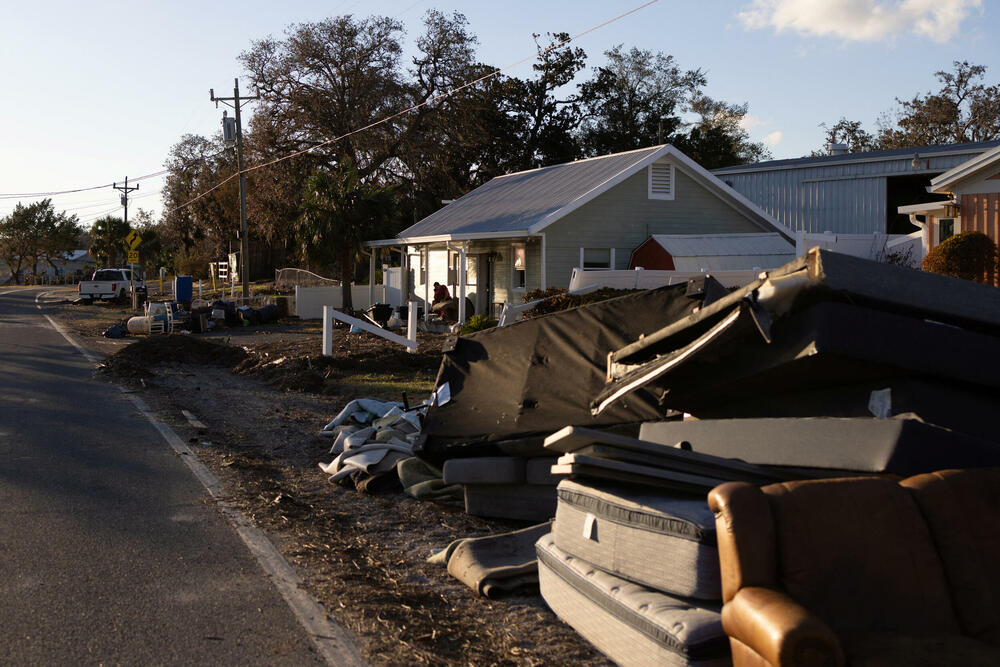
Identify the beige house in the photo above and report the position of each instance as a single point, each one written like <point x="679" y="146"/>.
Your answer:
<point x="530" y="229"/>
<point x="971" y="201"/>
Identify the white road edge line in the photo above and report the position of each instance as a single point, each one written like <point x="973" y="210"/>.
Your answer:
<point x="330" y="639"/>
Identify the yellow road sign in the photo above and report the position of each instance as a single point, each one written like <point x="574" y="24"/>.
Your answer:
<point x="133" y="240"/>
<point x="133" y="256"/>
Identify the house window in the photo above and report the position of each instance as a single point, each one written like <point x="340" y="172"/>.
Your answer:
<point x="661" y="181"/>
<point x="597" y="258"/>
<point x="519" y="265"/>
<point x="423" y="267"/>
<point x="946" y="229"/>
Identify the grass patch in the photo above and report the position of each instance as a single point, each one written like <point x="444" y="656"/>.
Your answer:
<point x="389" y="387"/>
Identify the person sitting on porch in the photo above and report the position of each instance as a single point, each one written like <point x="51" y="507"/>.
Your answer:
<point x="441" y="293"/>
<point x="442" y="300"/>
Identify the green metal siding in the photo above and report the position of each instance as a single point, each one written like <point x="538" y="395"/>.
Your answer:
<point x="624" y="216"/>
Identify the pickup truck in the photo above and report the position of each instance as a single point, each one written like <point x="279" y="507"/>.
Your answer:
<point x="107" y="284"/>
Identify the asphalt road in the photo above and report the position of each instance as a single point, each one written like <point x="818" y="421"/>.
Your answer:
<point x="111" y="552"/>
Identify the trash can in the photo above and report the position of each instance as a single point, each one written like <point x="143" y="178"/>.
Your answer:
<point x="183" y="289"/>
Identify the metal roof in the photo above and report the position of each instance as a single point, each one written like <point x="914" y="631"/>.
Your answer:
<point x="892" y="154"/>
<point x="516" y="202"/>
<point x="712" y="245"/>
<point x="968" y="168"/>
<point x="526" y="202"/>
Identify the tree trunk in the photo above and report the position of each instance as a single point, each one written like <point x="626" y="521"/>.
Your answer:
<point x="346" y="275"/>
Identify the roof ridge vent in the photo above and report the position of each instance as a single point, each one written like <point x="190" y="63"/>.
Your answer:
<point x="837" y="149"/>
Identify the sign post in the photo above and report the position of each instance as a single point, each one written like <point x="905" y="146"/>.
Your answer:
<point x="132" y="241"/>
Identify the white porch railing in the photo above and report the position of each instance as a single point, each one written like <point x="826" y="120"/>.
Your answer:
<point x="330" y="314"/>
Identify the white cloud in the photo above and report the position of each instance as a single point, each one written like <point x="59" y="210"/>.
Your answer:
<point x="861" y="20"/>
<point x="750" y="121"/>
<point x="774" y="138"/>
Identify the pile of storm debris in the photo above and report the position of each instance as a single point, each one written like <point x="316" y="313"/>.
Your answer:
<point x="199" y="316"/>
<point x="611" y="422"/>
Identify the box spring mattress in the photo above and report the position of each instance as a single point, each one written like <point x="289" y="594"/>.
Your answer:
<point x="630" y="624"/>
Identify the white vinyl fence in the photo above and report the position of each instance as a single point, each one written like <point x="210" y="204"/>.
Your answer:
<point x="647" y="279"/>
<point x="876" y="247"/>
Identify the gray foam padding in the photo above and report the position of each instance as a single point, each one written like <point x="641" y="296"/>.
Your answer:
<point x="484" y="470"/>
<point x="527" y="502"/>
<point x="902" y="445"/>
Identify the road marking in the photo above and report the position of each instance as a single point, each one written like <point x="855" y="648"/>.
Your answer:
<point x="331" y="640"/>
<point x="16" y="290"/>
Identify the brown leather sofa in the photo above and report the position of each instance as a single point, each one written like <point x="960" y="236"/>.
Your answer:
<point x="862" y="571"/>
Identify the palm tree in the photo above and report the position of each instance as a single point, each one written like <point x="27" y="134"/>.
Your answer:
<point x="340" y="213"/>
<point x="108" y="239"/>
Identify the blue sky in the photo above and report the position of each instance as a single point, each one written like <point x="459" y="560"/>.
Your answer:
<point x="98" y="91"/>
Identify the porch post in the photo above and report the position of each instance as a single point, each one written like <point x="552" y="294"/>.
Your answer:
<point x="544" y="281"/>
<point x="461" y="282"/>
<point x="425" y="255"/>
<point x="371" y="278"/>
<point x="404" y="282"/>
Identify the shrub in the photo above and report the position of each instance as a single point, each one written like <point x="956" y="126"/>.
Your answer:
<point x="969" y="255"/>
<point x="478" y="323"/>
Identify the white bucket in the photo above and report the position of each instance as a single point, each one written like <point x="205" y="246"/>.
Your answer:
<point x="138" y="325"/>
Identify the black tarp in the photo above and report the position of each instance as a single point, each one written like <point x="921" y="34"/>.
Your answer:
<point x="819" y="321"/>
<point x="820" y="276"/>
<point x="537" y="376"/>
<point x="825" y="344"/>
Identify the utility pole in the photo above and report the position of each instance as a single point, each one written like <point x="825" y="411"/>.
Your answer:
<point x="236" y="102"/>
<point x="125" y="189"/>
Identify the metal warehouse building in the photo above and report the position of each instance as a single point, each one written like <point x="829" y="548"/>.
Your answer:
<point x="848" y="193"/>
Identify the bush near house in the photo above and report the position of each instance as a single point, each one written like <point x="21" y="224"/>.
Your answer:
<point x="969" y="255"/>
<point x="557" y="298"/>
<point x="478" y="323"/>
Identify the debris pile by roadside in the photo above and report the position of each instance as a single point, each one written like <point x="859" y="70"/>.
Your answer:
<point x="794" y="376"/>
<point x="370" y="438"/>
<point x="167" y="317"/>
<point x="828" y="366"/>
<point x="617" y="418"/>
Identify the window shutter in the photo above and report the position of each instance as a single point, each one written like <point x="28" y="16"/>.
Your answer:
<point x="661" y="181"/>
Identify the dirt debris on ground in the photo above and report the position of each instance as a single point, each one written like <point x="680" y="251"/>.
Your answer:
<point x="263" y="396"/>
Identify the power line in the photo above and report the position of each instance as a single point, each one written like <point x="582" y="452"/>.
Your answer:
<point x="54" y="193"/>
<point x="412" y="108"/>
<point x="155" y="174"/>
<point x="15" y="195"/>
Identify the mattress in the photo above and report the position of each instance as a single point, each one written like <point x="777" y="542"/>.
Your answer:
<point x="629" y="623"/>
<point x="649" y="537"/>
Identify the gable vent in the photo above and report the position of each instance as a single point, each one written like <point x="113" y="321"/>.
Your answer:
<point x="661" y="181"/>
